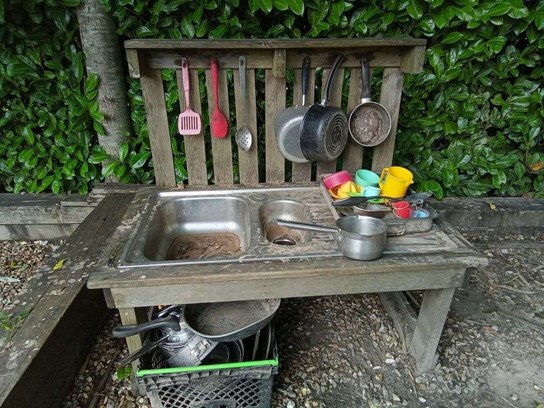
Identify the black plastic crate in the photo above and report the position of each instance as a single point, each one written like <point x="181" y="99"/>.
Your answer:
<point x="232" y="385"/>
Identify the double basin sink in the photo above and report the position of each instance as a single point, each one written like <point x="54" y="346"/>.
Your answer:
<point x="224" y="226"/>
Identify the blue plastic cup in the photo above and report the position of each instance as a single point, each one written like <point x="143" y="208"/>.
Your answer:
<point x="366" y="178"/>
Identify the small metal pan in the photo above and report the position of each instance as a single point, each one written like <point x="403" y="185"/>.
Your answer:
<point x="369" y="122"/>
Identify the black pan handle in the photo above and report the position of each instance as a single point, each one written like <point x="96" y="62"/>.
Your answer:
<point x="305" y="78"/>
<point x="143" y="351"/>
<point x="365" y="75"/>
<point x="337" y="62"/>
<point x="171" y="322"/>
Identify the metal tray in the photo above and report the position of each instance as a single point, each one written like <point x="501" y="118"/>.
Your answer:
<point x="401" y="226"/>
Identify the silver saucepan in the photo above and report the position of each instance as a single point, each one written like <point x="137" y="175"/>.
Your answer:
<point x="358" y="237"/>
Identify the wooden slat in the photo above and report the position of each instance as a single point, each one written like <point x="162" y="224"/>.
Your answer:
<point x="248" y="162"/>
<point x="326" y="167"/>
<point x="302" y="172"/>
<point x="221" y="147"/>
<point x="157" y="122"/>
<point x="133" y="63"/>
<point x="195" y="153"/>
<point x="352" y="158"/>
<point x="390" y="97"/>
<point x="413" y="59"/>
<point x="274" y="103"/>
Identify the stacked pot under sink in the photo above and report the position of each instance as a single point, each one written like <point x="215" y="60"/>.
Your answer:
<point x="207" y="333"/>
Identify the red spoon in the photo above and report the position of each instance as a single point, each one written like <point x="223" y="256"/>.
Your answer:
<point x="219" y="124"/>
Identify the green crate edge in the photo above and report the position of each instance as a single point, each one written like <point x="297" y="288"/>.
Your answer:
<point x="228" y="366"/>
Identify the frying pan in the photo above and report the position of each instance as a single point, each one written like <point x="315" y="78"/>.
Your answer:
<point x="324" y="129"/>
<point x="358" y="236"/>
<point x="287" y="123"/>
<point x="229" y="321"/>
<point x="369" y="122"/>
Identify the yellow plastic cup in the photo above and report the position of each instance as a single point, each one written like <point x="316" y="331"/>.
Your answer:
<point x="394" y="181"/>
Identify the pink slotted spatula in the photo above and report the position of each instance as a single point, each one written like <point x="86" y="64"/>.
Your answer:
<point x="219" y="123"/>
<point x="189" y="122"/>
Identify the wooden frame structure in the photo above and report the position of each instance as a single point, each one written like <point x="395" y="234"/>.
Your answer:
<point x="437" y="266"/>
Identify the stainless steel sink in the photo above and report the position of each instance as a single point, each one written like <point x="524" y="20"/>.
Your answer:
<point x="221" y="226"/>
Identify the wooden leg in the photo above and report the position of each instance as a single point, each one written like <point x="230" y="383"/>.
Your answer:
<point x="134" y="343"/>
<point x="430" y="322"/>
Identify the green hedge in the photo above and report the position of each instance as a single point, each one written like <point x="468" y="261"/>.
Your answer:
<point x="470" y="124"/>
<point x="49" y="115"/>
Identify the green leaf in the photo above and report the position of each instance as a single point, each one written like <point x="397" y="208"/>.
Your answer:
<point x="124" y="372"/>
<point x="415" y="9"/>
<point x="281" y="5"/>
<point x="91" y="84"/>
<point x="297" y="7"/>
<point x="98" y="156"/>
<point x="108" y="168"/>
<point x="498" y="9"/>
<point x="59" y="264"/>
<point x="55" y="186"/>
<point x="138" y="160"/>
<point x="28" y="134"/>
<point x="452" y="38"/>
<point x="123" y="151"/>
<point x="187" y="28"/>
<point x="496" y="44"/>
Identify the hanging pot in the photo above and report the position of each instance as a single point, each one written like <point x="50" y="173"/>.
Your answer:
<point x="324" y="129"/>
<point x="369" y="122"/>
<point x="287" y="123"/>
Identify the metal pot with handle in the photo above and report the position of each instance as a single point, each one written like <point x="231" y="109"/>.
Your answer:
<point x="324" y="129"/>
<point x="358" y="237"/>
<point x="287" y="123"/>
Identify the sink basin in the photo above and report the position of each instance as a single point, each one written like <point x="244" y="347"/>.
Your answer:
<point x="178" y="223"/>
<point x="222" y="226"/>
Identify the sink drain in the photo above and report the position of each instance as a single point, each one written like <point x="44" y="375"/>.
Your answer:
<point x="284" y="241"/>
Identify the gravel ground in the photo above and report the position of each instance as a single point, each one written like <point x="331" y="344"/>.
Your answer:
<point x="19" y="260"/>
<point x="343" y="351"/>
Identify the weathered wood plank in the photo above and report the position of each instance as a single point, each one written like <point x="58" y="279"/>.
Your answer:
<point x="221" y="147"/>
<point x="299" y="43"/>
<point x="247" y="289"/>
<point x="390" y="98"/>
<point x="274" y="103"/>
<point x="195" y="151"/>
<point x="54" y="291"/>
<point x="36" y="231"/>
<point x="247" y="108"/>
<point x="264" y="59"/>
<point x="431" y="319"/>
<point x="133" y="63"/>
<point x="352" y="158"/>
<point x="413" y="59"/>
<point x="157" y="122"/>
<point x="302" y="172"/>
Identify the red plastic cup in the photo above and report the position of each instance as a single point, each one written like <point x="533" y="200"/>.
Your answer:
<point x="402" y="209"/>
